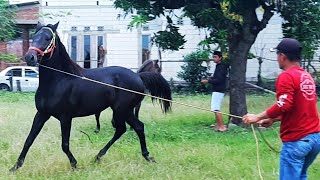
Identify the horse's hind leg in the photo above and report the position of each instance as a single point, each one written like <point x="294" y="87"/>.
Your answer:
<point x="119" y="118"/>
<point x="65" y="123"/>
<point x="137" y="109"/>
<point x="98" y="122"/>
<point x="138" y="127"/>
<point x="37" y="125"/>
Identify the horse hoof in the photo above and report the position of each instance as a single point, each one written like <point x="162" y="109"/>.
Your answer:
<point x="97" y="159"/>
<point x="14" y="168"/>
<point x="150" y="159"/>
<point x="97" y="131"/>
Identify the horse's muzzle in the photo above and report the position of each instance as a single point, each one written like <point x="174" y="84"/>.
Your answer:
<point x="31" y="57"/>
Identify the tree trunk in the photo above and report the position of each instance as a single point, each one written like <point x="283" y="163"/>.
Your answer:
<point x="259" y="83"/>
<point x="239" y="46"/>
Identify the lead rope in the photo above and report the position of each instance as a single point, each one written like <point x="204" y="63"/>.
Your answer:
<point x="188" y="105"/>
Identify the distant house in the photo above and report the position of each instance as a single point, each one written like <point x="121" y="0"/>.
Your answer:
<point x="85" y="25"/>
<point x="26" y="20"/>
<point x="27" y="16"/>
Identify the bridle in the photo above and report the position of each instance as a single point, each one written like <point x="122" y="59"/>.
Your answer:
<point x="49" y="48"/>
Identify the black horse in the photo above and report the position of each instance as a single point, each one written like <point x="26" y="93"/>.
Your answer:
<point x="65" y="97"/>
<point x="147" y="66"/>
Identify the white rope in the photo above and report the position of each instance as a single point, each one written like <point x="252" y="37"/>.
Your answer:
<point x="132" y="91"/>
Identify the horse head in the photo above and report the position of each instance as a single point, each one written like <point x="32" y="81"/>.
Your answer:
<point x="43" y="44"/>
<point x="156" y="67"/>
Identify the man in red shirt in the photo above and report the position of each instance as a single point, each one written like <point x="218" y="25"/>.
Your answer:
<point x="297" y="110"/>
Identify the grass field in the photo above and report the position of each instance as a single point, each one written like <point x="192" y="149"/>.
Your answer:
<point x="181" y="142"/>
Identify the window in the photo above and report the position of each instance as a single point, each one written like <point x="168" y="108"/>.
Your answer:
<point x="86" y="49"/>
<point x="100" y="40"/>
<point x="100" y="28"/>
<point x="86" y="28"/>
<point x="74" y="48"/>
<point x="180" y="21"/>
<point x="145" y="28"/>
<point x="101" y="52"/>
<point x="31" y="73"/>
<point x="74" y="28"/>
<point x="14" y="72"/>
<point x="145" y="41"/>
<point x="145" y="47"/>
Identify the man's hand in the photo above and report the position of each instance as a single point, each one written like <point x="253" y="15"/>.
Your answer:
<point x="204" y="81"/>
<point x="250" y="118"/>
<point x="265" y="122"/>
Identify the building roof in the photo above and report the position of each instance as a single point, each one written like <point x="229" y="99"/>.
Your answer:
<point x="27" y="12"/>
<point x="21" y="4"/>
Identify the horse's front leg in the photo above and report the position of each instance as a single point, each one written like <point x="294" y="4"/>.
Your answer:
<point x="38" y="122"/>
<point x="97" y="115"/>
<point x="65" y="122"/>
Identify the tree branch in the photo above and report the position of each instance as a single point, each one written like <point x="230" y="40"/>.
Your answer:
<point x="268" y="13"/>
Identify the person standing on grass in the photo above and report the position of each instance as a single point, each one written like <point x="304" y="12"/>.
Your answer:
<point x="218" y="82"/>
<point x="296" y="109"/>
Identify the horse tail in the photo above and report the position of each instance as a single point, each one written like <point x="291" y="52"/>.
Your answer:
<point x="157" y="86"/>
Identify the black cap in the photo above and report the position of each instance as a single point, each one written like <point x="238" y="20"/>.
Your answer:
<point x="289" y="46"/>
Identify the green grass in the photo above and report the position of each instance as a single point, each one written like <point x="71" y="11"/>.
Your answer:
<point x="181" y="142"/>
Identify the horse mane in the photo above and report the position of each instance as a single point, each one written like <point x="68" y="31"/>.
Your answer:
<point x="68" y="64"/>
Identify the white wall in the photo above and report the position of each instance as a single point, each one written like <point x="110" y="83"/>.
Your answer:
<point x="267" y="38"/>
<point x="124" y="46"/>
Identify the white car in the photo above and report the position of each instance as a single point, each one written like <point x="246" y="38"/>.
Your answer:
<point x="19" y="78"/>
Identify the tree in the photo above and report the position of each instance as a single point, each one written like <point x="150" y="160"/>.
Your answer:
<point x="303" y="23"/>
<point x="7" y="25"/>
<point x="237" y="18"/>
<point x="193" y="71"/>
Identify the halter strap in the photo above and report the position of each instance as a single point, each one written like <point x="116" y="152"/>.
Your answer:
<point x="50" y="47"/>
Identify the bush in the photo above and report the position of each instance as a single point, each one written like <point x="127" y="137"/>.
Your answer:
<point x="193" y="71"/>
<point x="10" y="58"/>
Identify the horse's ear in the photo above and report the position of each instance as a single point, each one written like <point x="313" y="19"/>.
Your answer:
<point x="54" y="27"/>
<point x="39" y="26"/>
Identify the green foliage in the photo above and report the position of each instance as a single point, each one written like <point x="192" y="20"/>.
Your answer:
<point x="7" y="25"/>
<point x="238" y="18"/>
<point x="218" y="37"/>
<point x="137" y="21"/>
<point x="169" y="39"/>
<point x="303" y="23"/>
<point x="203" y="15"/>
<point x="193" y="71"/>
<point x="10" y="58"/>
<point x="130" y="6"/>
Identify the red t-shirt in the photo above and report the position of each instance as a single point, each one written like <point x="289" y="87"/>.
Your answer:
<point x="296" y="104"/>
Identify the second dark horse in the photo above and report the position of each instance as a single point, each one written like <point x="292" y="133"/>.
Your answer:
<point x="147" y="66"/>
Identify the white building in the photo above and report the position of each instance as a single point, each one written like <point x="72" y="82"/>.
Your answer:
<point x="86" y="24"/>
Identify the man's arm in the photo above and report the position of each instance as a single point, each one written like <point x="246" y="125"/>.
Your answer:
<point x="254" y="118"/>
<point x="267" y="122"/>
<point x="220" y="74"/>
<point x="285" y="91"/>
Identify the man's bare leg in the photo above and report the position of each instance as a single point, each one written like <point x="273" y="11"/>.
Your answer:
<point x="219" y="122"/>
